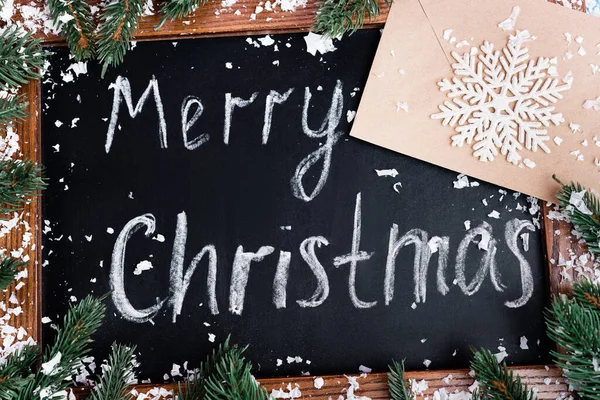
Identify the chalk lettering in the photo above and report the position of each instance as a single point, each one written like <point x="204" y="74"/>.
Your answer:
<point x="354" y="257"/>
<point x="485" y="231"/>
<point x="281" y="279"/>
<point x="511" y="234"/>
<point x="324" y="152"/>
<point x="230" y="104"/>
<point x="307" y="251"/>
<point x="117" y="271"/>
<point x="122" y="88"/>
<point x="179" y="283"/>
<point x="239" y="275"/>
<point x="272" y="98"/>
<point x="186" y="124"/>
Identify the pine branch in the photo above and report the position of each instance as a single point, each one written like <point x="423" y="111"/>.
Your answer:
<point x="8" y="270"/>
<point x="76" y="23"/>
<point x="116" y="375"/>
<point x="336" y="17"/>
<point x="588" y="225"/>
<point x="178" y="9"/>
<point x="119" y="20"/>
<point x="19" y="179"/>
<point x="495" y="380"/>
<point x="576" y="327"/>
<point x="63" y="358"/>
<point x="22" y="57"/>
<point x="224" y="375"/>
<point x="16" y="372"/>
<point x="587" y="294"/>
<point x="11" y="109"/>
<point x="397" y="385"/>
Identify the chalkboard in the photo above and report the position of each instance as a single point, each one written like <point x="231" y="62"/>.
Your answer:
<point x="319" y="251"/>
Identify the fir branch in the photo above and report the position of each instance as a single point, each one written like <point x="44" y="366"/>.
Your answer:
<point x="8" y="270"/>
<point x="76" y="23"/>
<point x="495" y="380"/>
<point x="587" y="225"/>
<point x="225" y="374"/>
<point x="119" y="20"/>
<point x="575" y="327"/>
<point x="396" y="382"/>
<point x="178" y="9"/>
<point x="116" y="375"/>
<point x="336" y="17"/>
<point x="17" y="371"/>
<point x="587" y="294"/>
<point x="19" y="179"/>
<point x="11" y="110"/>
<point x="63" y="358"/>
<point x="22" y="57"/>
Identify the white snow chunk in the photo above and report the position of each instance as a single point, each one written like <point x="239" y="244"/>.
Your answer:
<point x="575" y="127"/>
<point x="523" y="343"/>
<point x="520" y="38"/>
<point x="509" y="23"/>
<point x="78" y="68"/>
<point x="447" y="34"/>
<point x="528" y="163"/>
<point x="401" y="105"/>
<point x="266" y="41"/>
<point x="364" y="369"/>
<point x="228" y="65"/>
<point x="558" y="140"/>
<point x="211" y="337"/>
<point x="576" y="200"/>
<point x="501" y="355"/>
<point x="318" y="43"/>
<point x="426" y="363"/>
<point x="58" y="123"/>
<point x="110" y="230"/>
<point x="393" y="172"/>
<point x="494" y="214"/>
<point x="49" y="367"/>
<point x="318" y="383"/>
<point x="142" y="266"/>
<point x="592" y="104"/>
<point x="350" y="115"/>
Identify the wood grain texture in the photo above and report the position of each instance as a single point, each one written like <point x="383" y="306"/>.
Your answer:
<point x="214" y="20"/>
<point x="29" y="295"/>
<point x="375" y="386"/>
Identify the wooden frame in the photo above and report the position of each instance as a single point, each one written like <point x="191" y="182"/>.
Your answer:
<point x="205" y="23"/>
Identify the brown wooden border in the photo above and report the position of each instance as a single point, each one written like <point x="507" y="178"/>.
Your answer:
<point x="205" y="23"/>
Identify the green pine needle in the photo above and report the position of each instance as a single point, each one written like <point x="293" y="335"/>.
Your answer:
<point x="495" y="380"/>
<point x="19" y="179"/>
<point x="225" y="374"/>
<point x="116" y="376"/>
<point x="72" y="341"/>
<point x="575" y="327"/>
<point x="587" y="294"/>
<point x="119" y="20"/>
<point x="587" y="225"/>
<point x="336" y="17"/>
<point x="178" y="9"/>
<point x="79" y="30"/>
<point x="8" y="270"/>
<point x="396" y="382"/>
<point x="11" y="110"/>
<point x="17" y="371"/>
<point x="21" y="57"/>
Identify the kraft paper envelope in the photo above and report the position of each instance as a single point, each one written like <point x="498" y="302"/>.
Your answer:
<point x="415" y="53"/>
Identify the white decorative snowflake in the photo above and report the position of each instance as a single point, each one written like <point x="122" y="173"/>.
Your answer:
<point x="500" y="101"/>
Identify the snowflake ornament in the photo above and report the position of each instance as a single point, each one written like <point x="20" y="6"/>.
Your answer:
<point x="500" y="101"/>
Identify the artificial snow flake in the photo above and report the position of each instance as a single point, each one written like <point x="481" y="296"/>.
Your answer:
<point x="500" y="102"/>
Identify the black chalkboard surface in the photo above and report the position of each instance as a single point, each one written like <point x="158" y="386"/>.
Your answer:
<point x="235" y="203"/>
